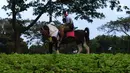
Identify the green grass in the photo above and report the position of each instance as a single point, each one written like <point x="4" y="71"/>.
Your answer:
<point x="64" y="63"/>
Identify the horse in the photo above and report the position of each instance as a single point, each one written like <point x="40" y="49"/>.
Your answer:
<point x="81" y="38"/>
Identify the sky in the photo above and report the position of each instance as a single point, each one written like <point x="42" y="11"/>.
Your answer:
<point x="81" y="24"/>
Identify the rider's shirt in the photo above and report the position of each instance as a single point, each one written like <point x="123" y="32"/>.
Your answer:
<point x="68" y="20"/>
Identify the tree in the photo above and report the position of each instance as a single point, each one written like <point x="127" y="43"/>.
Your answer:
<point x="120" y="25"/>
<point x="16" y="7"/>
<point x="84" y="9"/>
<point x="7" y="38"/>
<point x="102" y="44"/>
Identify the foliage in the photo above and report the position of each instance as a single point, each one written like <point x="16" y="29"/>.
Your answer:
<point x="8" y="36"/>
<point x="106" y="63"/>
<point x="84" y="9"/>
<point x="120" y="25"/>
<point x="17" y="6"/>
<point x="8" y="43"/>
<point x="102" y="43"/>
<point x="21" y="6"/>
<point x="94" y="44"/>
<point x="39" y="49"/>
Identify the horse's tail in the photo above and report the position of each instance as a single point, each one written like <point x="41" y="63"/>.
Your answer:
<point x="86" y="30"/>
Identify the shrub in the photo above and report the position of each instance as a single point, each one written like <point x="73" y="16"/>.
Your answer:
<point x="61" y="63"/>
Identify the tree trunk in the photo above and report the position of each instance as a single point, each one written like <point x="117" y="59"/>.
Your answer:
<point x="17" y="42"/>
<point x="50" y="12"/>
<point x="14" y="24"/>
<point x="16" y="29"/>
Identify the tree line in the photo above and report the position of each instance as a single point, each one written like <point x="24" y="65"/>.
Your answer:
<point x="84" y="9"/>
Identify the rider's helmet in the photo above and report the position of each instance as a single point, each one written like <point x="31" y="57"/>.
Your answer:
<point x="65" y="13"/>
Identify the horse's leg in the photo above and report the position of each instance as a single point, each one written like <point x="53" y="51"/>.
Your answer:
<point x="50" y="47"/>
<point x="86" y="47"/>
<point x="56" y="46"/>
<point x="79" y="48"/>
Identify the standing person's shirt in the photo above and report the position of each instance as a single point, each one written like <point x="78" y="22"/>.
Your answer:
<point x="53" y="30"/>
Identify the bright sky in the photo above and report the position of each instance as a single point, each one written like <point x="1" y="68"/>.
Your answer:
<point x="81" y="24"/>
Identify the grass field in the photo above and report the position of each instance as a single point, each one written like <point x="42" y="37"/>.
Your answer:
<point x="64" y="63"/>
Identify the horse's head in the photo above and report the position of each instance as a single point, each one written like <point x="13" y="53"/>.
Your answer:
<point x="44" y="30"/>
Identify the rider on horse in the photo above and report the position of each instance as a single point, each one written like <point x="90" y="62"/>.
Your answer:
<point x="83" y="36"/>
<point x="68" y="25"/>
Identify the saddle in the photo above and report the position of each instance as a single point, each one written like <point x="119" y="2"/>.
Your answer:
<point x="65" y="31"/>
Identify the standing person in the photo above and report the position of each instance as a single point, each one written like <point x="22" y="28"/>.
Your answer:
<point x="53" y="33"/>
<point x="50" y="32"/>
